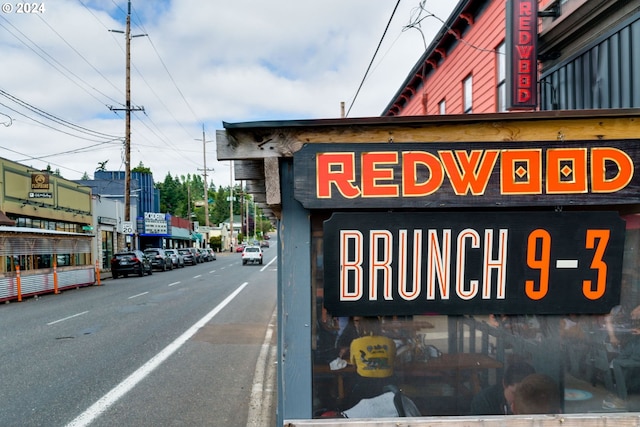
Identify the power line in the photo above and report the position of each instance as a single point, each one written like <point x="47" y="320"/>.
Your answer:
<point x="50" y="60"/>
<point x="373" y="58"/>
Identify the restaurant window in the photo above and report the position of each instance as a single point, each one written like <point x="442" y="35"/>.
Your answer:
<point x="467" y="89"/>
<point x="452" y="365"/>
<point x="501" y="72"/>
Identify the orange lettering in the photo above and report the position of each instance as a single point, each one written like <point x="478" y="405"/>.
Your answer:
<point x="410" y="163"/>
<point x="469" y="171"/>
<point x="566" y="170"/>
<point x="599" y="181"/>
<point x="337" y="169"/>
<point x="520" y="172"/>
<point x="371" y="174"/>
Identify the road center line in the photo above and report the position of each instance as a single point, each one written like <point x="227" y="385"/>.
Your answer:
<point x="173" y="284"/>
<point x="199" y="275"/>
<point x="138" y="295"/>
<point x="106" y="401"/>
<point x="66" y="318"/>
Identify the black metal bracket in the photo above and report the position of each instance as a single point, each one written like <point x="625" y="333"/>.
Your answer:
<point x="553" y="11"/>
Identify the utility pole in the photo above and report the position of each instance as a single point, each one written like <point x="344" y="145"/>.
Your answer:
<point x="204" y="174"/>
<point x="127" y="110"/>
<point x="231" y="205"/>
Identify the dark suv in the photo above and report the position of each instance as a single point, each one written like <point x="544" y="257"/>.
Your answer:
<point x="130" y="262"/>
<point x="159" y="259"/>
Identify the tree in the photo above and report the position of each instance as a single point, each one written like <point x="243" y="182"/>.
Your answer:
<point x="141" y="168"/>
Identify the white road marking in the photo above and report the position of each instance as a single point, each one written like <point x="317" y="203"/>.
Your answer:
<point x="199" y="275"/>
<point x="263" y="381"/>
<point x="173" y="284"/>
<point x="106" y="401"/>
<point x="138" y="295"/>
<point x="268" y="264"/>
<point x="66" y="318"/>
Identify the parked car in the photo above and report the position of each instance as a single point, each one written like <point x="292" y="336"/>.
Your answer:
<point x="159" y="259"/>
<point x="240" y="248"/>
<point x="188" y="256"/>
<point x="196" y="255"/>
<point x="176" y="258"/>
<point x="130" y="262"/>
<point x="204" y="255"/>
<point x="252" y="254"/>
<point x="264" y="244"/>
<point x="212" y="254"/>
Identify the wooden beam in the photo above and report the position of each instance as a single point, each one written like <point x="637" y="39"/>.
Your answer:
<point x="284" y="140"/>
<point x="272" y="181"/>
<point x="247" y="170"/>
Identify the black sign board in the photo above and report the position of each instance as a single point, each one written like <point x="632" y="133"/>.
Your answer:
<point x="467" y="174"/>
<point x="472" y="263"/>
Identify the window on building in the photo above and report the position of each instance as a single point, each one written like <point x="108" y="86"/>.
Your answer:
<point x="442" y="107"/>
<point x="501" y="83"/>
<point x="467" y="87"/>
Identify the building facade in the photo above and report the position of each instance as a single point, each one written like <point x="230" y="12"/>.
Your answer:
<point x="47" y="232"/>
<point x="588" y="57"/>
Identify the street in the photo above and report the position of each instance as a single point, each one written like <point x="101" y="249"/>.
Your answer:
<point x="181" y="347"/>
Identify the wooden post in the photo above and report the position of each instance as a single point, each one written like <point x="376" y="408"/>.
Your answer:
<point x="55" y="274"/>
<point x="18" y="284"/>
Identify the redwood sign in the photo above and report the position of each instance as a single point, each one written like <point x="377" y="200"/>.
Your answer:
<point x="467" y="174"/>
<point x="522" y="53"/>
<point x="472" y="262"/>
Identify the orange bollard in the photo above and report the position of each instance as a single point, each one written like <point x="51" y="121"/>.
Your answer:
<point x="18" y="284"/>
<point x="97" y="273"/>
<point x="55" y="275"/>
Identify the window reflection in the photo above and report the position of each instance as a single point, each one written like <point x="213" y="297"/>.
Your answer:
<point x="464" y="365"/>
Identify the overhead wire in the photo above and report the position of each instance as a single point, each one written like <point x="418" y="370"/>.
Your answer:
<point x="51" y="60"/>
<point x="366" y="73"/>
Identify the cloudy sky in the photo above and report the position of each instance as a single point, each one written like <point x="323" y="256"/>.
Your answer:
<point x="195" y="64"/>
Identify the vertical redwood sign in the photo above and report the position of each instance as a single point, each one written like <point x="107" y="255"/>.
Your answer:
<point x="522" y="52"/>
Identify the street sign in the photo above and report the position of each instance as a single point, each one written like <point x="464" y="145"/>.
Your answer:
<point x="127" y="227"/>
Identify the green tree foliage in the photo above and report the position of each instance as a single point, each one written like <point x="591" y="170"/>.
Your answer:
<point x="141" y="168"/>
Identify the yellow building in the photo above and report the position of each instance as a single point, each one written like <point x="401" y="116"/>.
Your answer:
<point x="45" y="232"/>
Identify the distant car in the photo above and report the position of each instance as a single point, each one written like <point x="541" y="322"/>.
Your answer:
<point x="160" y="260"/>
<point x="130" y="262"/>
<point x="176" y="258"/>
<point x="212" y="254"/>
<point x="252" y="254"/>
<point x="240" y="248"/>
<point x="188" y="256"/>
<point x="264" y="244"/>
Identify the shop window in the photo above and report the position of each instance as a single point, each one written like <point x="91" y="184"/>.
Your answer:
<point x="453" y="365"/>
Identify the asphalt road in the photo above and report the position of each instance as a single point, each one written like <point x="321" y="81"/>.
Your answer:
<point x="177" y="348"/>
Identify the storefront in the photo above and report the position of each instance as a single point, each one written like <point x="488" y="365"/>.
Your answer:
<point x="452" y="248"/>
<point x="46" y="238"/>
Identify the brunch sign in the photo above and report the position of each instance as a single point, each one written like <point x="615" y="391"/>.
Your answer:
<point x="472" y="262"/>
<point x="429" y="175"/>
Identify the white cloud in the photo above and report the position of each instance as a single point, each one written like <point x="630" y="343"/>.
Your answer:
<point x="225" y="61"/>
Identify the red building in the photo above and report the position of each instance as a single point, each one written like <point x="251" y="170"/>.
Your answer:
<point x="588" y="57"/>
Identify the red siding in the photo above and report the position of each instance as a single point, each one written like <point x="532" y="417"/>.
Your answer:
<point x="474" y="54"/>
